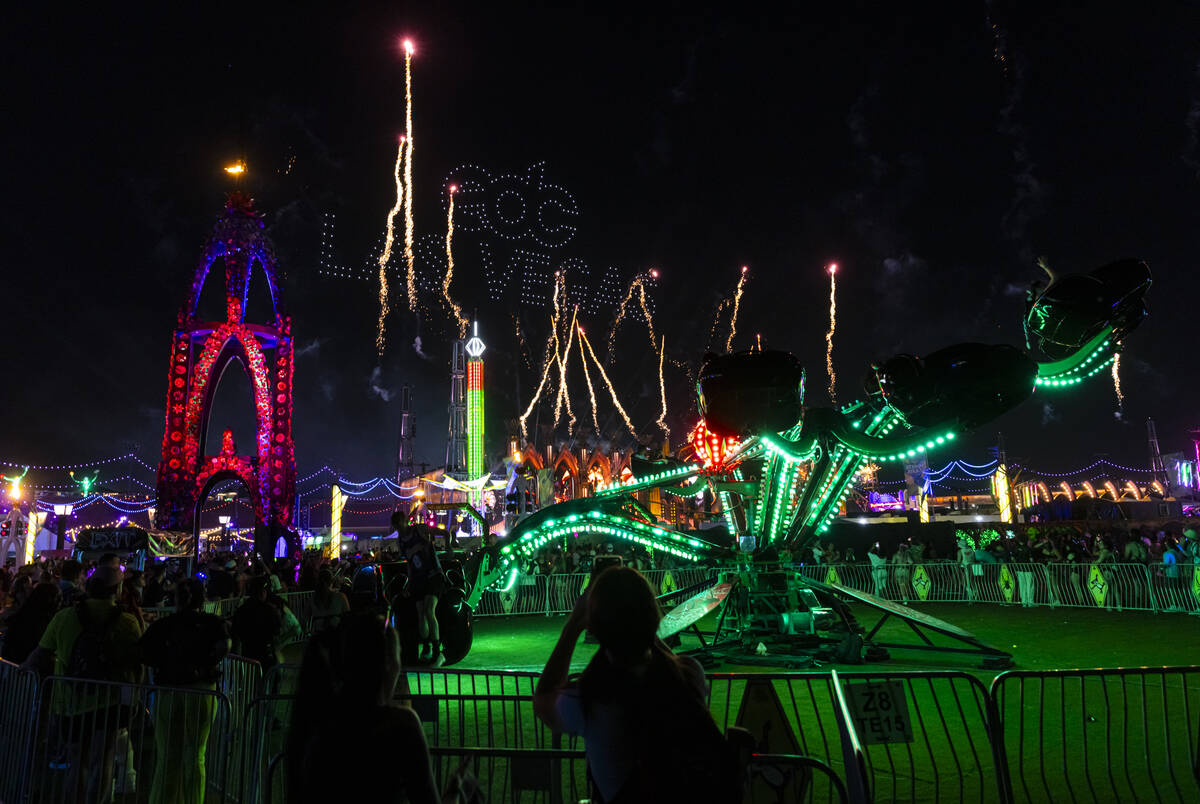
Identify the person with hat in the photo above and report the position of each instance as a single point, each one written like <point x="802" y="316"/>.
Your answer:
<point x="98" y="641"/>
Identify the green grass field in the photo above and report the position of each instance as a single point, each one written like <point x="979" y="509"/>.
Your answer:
<point x="1038" y="638"/>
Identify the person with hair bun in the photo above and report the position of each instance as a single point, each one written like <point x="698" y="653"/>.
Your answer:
<point x="640" y="709"/>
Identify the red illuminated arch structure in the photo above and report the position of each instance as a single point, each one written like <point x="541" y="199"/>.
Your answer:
<point x="200" y="353"/>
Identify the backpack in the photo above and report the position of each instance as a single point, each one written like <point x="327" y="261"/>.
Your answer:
<point x="91" y="655"/>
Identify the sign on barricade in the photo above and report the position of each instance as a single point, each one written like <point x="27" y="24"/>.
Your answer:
<point x="880" y="712"/>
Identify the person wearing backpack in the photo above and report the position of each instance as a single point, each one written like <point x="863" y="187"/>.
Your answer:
<point x="640" y="708"/>
<point x="184" y="649"/>
<point x="95" y="640"/>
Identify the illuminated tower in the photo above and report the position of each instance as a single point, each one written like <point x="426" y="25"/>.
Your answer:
<point x="1156" y="461"/>
<point x="475" y="348"/>
<point x="404" y="450"/>
<point x="456" y="441"/>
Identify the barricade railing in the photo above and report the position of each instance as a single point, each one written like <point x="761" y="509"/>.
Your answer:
<point x="789" y="777"/>
<point x="281" y="679"/>
<point x="18" y="718"/>
<point x="1107" y="585"/>
<point x="558" y="592"/>
<point x="1078" y="735"/>
<point x="1101" y="735"/>
<point x="301" y="604"/>
<point x="925" y="736"/>
<point x="98" y="740"/>
<point x="854" y="759"/>
<point x="264" y="738"/>
<point x="513" y="774"/>
<point x="1175" y="587"/>
<point x="241" y="682"/>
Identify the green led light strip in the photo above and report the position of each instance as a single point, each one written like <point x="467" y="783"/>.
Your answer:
<point x="1070" y="365"/>
<point x="638" y="483"/>
<point x="610" y="525"/>
<point x="791" y="451"/>
<point x="1062" y="381"/>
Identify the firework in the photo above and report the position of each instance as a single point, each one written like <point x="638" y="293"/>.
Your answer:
<point x="611" y="390"/>
<point x="829" y="335"/>
<point x="386" y="255"/>
<point x="551" y="344"/>
<point x="587" y="375"/>
<point x="1116" y="378"/>
<point x="737" y="304"/>
<point x="522" y="342"/>
<point x="716" y="320"/>
<point x="564" y="395"/>
<point x="408" y="188"/>
<point x="455" y="310"/>
<point x="662" y="388"/>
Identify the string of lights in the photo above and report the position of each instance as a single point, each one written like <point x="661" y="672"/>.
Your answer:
<point x="52" y="467"/>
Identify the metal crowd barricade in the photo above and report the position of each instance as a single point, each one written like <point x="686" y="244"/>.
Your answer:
<point x="264" y="738"/>
<point x="854" y="759"/>
<point x="281" y="679"/>
<point x="1109" y="585"/>
<point x="480" y="708"/>
<point x="1173" y="587"/>
<point x="223" y="607"/>
<point x="99" y="740"/>
<point x="558" y="593"/>
<point x="780" y="772"/>
<point x="1124" y="734"/>
<point x="241" y="682"/>
<point x="18" y="718"/>
<point x="927" y="737"/>
<point x="301" y="604"/>
<point x="518" y="774"/>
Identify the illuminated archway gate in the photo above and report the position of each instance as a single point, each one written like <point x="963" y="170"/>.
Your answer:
<point x="200" y="353"/>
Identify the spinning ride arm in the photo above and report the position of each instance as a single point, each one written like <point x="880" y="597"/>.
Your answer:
<point x="1077" y="322"/>
<point x="611" y="514"/>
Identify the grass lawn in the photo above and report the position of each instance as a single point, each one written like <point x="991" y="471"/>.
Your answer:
<point x="1038" y="638"/>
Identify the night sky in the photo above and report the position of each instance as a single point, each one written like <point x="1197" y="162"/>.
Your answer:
<point x="933" y="157"/>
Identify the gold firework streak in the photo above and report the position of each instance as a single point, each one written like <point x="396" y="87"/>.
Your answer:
<point x="612" y="391"/>
<point x="612" y="334"/>
<point x="829" y="335"/>
<point x="564" y="395"/>
<point x="521" y="341"/>
<point x="455" y="310"/>
<point x="662" y="389"/>
<point x="646" y="314"/>
<point x="1116" y="377"/>
<point x="716" y="320"/>
<point x="551" y="343"/>
<point x="737" y="304"/>
<point x="587" y="375"/>
<point x="408" y="187"/>
<point x="384" y="308"/>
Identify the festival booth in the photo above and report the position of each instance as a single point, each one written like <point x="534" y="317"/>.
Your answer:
<point x="133" y="545"/>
